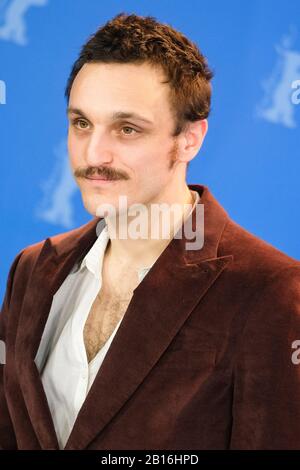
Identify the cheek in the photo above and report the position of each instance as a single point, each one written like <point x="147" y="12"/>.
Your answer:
<point x="155" y="162"/>
<point x="153" y="156"/>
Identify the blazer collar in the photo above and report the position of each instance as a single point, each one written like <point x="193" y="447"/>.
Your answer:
<point x="144" y="332"/>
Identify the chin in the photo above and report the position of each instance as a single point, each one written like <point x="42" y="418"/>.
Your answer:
<point x="95" y="205"/>
<point x="90" y="203"/>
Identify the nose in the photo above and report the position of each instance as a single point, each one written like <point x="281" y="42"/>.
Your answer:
<point x="99" y="149"/>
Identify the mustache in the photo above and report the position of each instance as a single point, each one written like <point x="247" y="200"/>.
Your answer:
<point x="104" y="172"/>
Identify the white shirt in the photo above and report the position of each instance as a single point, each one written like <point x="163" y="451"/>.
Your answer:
<point x="61" y="358"/>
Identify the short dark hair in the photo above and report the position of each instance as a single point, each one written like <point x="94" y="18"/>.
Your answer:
<point x="129" y="38"/>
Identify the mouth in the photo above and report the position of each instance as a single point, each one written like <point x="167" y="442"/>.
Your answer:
<point x="99" y="180"/>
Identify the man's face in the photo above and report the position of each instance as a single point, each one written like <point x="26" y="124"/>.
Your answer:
<point x="136" y="156"/>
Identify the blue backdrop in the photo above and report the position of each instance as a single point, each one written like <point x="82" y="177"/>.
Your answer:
<point x="250" y="157"/>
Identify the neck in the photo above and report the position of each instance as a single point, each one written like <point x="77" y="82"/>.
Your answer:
<point x="157" y="231"/>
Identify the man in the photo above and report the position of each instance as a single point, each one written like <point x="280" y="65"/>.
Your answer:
<point x="132" y="342"/>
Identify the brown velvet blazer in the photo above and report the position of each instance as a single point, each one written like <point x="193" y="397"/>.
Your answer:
<point x="201" y="360"/>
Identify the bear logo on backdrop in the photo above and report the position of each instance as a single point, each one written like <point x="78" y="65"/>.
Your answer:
<point x="56" y="205"/>
<point x="13" y="12"/>
<point x="282" y="88"/>
<point x="2" y="92"/>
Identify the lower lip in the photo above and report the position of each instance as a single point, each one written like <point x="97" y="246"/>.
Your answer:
<point x="100" y="182"/>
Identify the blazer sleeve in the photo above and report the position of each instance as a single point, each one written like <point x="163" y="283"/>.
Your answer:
<point x="266" y="398"/>
<point x="7" y="435"/>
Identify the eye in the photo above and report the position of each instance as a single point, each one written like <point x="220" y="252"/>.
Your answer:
<point x="130" y="129"/>
<point x="80" y="123"/>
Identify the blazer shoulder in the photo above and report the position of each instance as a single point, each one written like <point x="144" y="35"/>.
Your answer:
<point x="29" y="254"/>
<point x="252" y="254"/>
<point x="266" y="288"/>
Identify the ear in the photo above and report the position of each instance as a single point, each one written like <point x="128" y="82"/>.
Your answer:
<point x="192" y="139"/>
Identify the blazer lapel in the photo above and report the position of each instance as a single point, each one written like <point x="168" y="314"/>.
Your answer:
<point x="160" y="305"/>
<point x="51" y="268"/>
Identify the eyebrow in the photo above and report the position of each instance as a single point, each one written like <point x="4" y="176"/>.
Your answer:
<point x="116" y="116"/>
